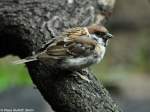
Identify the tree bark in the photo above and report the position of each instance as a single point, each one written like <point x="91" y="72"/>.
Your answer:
<point x="25" y="25"/>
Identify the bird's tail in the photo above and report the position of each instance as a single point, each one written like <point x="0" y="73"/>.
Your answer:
<point x="25" y="60"/>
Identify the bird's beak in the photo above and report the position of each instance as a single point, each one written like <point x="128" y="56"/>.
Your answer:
<point x="108" y="35"/>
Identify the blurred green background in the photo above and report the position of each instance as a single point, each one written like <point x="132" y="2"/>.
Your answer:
<point x="126" y="65"/>
<point x="12" y="75"/>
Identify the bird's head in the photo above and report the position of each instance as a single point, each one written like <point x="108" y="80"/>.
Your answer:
<point x="100" y="34"/>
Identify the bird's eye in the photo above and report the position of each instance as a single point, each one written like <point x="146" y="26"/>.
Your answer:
<point x="100" y="34"/>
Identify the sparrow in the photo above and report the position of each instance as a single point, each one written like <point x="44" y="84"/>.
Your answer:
<point x="74" y="49"/>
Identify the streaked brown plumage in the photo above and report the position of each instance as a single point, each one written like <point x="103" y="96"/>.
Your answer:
<point x="75" y="48"/>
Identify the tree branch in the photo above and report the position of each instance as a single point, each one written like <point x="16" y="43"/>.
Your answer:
<point x="26" y="24"/>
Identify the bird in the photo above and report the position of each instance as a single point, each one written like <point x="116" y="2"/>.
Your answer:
<point x="73" y="49"/>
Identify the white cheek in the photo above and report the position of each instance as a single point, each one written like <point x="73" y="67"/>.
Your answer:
<point x="100" y="41"/>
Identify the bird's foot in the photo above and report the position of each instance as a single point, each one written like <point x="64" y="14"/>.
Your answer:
<point x="82" y="77"/>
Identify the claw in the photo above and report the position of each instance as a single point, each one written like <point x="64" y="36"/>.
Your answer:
<point x="83" y="77"/>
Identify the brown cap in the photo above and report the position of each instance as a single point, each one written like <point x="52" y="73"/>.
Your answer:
<point x="97" y="29"/>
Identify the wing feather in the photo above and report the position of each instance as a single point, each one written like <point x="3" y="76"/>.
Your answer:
<point x="73" y="43"/>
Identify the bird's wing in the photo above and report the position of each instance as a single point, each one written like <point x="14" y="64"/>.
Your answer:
<point x="75" y="32"/>
<point x="73" y="43"/>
